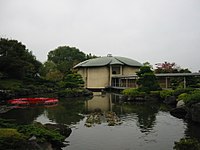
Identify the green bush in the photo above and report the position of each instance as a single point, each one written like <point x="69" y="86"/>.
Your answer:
<point x="179" y="91"/>
<point x="11" y="139"/>
<point x="133" y="92"/>
<point x="41" y="133"/>
<point x="7" y="123"/>
<point x="166" y="93"/>
<point x="155" y="93"/>
<point x="194" y="97"/>
<point x="147" y="80"/>
<point x="187" y="144"/>
<point x="68" y="92"/>
<point x="10" y="84"/>
<point x="182" y="96"/>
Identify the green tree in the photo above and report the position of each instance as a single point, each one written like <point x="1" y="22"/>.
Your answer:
<point x="73" y="80"/>
<point x="66" y="57"/>
<point x="50" y="72"/>
<point x="16" y="61"/>
<point x="148" y="64"/>
<point x="147" y="80"/>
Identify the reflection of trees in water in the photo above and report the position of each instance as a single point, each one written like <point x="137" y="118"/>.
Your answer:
<point x="145" y="112"/>
<point x="23" y="115"/>
<point x="67" y="111"/>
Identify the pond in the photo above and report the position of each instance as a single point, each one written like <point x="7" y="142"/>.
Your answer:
<point x="142" y="126"/>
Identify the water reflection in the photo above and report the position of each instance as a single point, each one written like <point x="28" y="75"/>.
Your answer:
<point x="145" y="125"/>
<point x="23" y="115"/>
<point x="145" y="112"/>
<point x="101" y="102"/>
<point x="67" y="111"/>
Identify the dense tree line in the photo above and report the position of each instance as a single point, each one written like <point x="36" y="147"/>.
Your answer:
<point x="16" y="61"/>
<point x="61" y="61"/>
<point x="22" y="74"/>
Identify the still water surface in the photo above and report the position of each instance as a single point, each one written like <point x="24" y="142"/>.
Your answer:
<point x="145" y="126"/>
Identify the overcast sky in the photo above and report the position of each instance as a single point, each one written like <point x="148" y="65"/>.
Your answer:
<point x="144" y="30"/>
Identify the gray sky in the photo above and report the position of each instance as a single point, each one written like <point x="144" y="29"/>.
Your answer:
<point x="144" y="30"/>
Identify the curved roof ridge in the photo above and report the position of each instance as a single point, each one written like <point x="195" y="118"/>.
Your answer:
<point x="128" y="61"/>
<point x="115" y="61"/>
<point x="109" y="60"/>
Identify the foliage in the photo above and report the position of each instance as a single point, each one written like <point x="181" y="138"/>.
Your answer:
<point x="59" y="66"/>
<point x="54" y="75"/>
<point x="66" y="57"/>
<point x="183" y="97"/>
<point x="133" y="92"/>
<point x="147" y="80"/>
<point x="176" y="82"/>
<point x="179" y="91"/>
<point x="74" y="92"/>
<point x="72" y="81"/>
<point x="166" y="67"/>
<point x="13" y="136"/>
<point x="166" y="93"/>
<point x="41" y="133"/>
<point x="148" y="64"/>
<point x="187" y="144"/>
<point x="11" y="84"/>
<point x="16" y="61"/>
<point x="90" y="56"/>
<point x="155" y="93"/>
<point x="5" y="123"/>
<point x="194" y="97"/>
<point x="11" y="139"/>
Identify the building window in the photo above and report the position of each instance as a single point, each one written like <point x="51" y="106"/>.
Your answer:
<point x="115" y="69"/>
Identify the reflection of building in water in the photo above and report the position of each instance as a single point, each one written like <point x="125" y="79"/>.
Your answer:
<point x="100" y="102"/>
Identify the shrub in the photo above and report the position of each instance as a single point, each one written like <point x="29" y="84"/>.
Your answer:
<point x="166" y="93"/>
<point x="194" y="97"/>
<point x="147" y="80"/>
<point x="41" y="133"/>
<point x="179" y="91"/>
<point x="187" y="144"/>
<point x="133" y="92"/>
<point x="11" y="139"/>
<point x="74" y="92"/>
<point x="155" y="93"/>
<point x="182" y="96"/>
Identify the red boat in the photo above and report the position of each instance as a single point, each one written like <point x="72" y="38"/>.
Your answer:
<point x="33" y="101"/>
